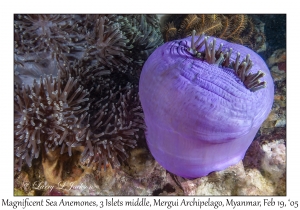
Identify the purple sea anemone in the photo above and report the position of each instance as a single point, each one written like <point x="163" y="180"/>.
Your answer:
<point x="204" y="100"/>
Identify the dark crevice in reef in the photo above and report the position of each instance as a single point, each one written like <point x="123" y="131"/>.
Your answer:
<point x="168" y="188"/>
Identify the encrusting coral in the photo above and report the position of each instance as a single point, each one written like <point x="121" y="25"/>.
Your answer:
<point x="76" y="88"/>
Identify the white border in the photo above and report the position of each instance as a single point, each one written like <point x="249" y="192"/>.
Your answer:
<point x="154" y="7"/>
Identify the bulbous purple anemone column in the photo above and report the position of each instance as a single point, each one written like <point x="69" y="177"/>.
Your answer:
<point x="204" y="100"/>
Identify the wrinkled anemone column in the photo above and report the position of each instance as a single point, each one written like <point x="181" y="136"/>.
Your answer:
<point x="204" y="100"/>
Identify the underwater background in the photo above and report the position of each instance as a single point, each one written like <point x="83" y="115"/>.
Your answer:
<point x="78" y="122"/>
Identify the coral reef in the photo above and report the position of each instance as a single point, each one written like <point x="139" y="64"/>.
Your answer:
<point x="65" y="51"/>
<point x="76" y="88"/>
